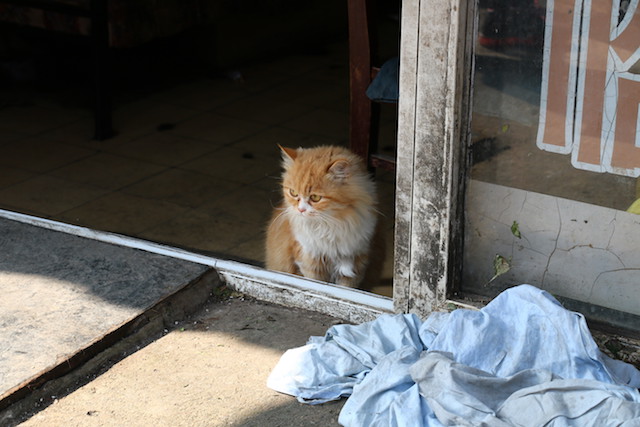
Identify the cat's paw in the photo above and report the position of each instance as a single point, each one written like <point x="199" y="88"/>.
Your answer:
<point x="350" y="282"/>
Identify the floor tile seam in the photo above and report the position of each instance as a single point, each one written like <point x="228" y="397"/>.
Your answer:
<point x="256" y="237"/>
<point x="314" y="110"/>
<point x="226" y="145"/>
<point x="115" y="150"/>
<point x="267" y="94"/>
<point x="242" y="223"/>
<point x="226" y="103"/>
<point x="47" y="138"/>
<point x="175" y="123"/>
<point x="182" y="117"/>
<point x="254" y="94"/>
<point x="86" y="141"/>
<point x="341" y="107"/>
<point x="188" y="170"/>
<point x="218" y="146"/>
<point x="25" y="211"/>
<point x="269" y="128"/>
<point x="221" y="196"/>
<point x="164" y="169"/>
<point x="230" y="144"/>
<point x="16" y="136"/>
<point x="285" y="78"/>
<point x="253" y="182"/>
<point x="102" y="152"/>
<point x="187" y="209"/>
<point x="279" y="84"/>
<point x="264" y="122"/>
<point x="276" y="178"/>
<point x="75" y="112"/>
<point x="114" y="192"/>
<point x="102" y="190"/>
<point x="36" y="175"/>
<point x="176" y="132"/>
<point x="65" y="217"/>
<point x="184" y="104"/>
<point x="77" y="160"/>
<point x="21" y="170"/>
<point x="57" y="127"/>
<point x="248" y="93"/>
<point x="154" y="98"/>
<point x="109" y="189"/>
<point x="223" y="254"/>
<point x="229" y="254"/>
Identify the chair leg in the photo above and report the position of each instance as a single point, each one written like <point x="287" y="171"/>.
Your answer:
<point x="103" y="127"/>
<point x="360" y="127"/>
<point x="361" y="39"/>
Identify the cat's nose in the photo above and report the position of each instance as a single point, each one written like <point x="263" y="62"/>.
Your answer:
<point x="302" y="206"/>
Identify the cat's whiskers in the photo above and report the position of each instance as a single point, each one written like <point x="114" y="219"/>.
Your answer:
<point x="281" y="214"/>
<point x="379" y="212"/>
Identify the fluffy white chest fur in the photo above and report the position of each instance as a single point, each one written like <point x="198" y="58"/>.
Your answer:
<point x="337" y="241"/>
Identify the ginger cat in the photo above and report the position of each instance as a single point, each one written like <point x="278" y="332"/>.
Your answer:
<point x="327" y="226"/>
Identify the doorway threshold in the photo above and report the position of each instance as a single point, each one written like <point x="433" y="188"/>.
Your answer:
<point x="351" y="305"/>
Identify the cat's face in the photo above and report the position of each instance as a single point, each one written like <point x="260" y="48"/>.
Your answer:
<point x="319" y="182"/>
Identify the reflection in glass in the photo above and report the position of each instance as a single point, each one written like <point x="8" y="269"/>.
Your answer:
<point x="508" y="123"/>
<point x="556" y="155"/>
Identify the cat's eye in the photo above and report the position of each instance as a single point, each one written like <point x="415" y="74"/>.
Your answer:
<point x="315" y="198"/>
<point x="293" y="192"/>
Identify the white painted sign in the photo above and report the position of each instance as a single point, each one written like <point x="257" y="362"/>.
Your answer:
<point x="590" y="85"/>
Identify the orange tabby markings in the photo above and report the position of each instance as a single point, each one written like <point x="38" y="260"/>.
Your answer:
<point x="327" y="226"/>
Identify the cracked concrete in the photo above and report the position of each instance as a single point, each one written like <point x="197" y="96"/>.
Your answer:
<point x="572" y="249"/>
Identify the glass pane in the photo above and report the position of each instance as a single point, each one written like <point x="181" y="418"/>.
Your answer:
<point x="556" y="154"/>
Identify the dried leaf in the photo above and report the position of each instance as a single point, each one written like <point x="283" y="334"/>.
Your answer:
<point x="500" y="266"/>
<point x="515" y="230"/>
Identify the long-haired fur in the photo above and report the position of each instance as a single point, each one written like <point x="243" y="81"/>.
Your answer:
<point x="327" y="226"/>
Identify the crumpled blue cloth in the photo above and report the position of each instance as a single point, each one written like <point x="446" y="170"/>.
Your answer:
<point x="522" y="360"/>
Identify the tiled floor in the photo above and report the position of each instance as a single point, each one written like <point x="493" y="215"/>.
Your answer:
<point x="194" y="164"/>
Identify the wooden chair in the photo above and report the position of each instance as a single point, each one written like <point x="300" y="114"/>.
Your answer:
<point x="364" y="114"/>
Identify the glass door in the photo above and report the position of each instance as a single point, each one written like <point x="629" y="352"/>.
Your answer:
<point x="553" y="195"/>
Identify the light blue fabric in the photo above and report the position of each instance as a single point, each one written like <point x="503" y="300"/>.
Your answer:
<point x="328" y="367"/>
<point x="522" y="360"/>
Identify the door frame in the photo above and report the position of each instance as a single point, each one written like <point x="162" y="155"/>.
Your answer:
<point x="434" y="113"/>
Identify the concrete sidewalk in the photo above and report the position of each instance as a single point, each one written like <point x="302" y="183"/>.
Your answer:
<point x="209" y="370"/>
<point x="99" y="334"/>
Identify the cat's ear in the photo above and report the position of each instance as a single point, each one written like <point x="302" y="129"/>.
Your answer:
<point x="340" y="170"/>
<point x="288" y="155"/>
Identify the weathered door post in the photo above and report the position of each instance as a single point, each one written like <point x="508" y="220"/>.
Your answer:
<point x="434" y="111"/>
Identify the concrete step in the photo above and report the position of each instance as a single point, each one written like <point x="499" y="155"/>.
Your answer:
<point x="69" y="303"/>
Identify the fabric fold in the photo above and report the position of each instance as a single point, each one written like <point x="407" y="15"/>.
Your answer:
<point x="522" y="360"/>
